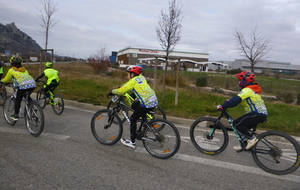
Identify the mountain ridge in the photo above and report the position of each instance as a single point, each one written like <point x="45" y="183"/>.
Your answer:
<point x="16" y="41"/>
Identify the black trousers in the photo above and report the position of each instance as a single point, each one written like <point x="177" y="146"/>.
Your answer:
<point x="20" y="95"/>
<point x="51" y="87"/>
<point x="248" y="121"/>
<point x="138" y="112"/>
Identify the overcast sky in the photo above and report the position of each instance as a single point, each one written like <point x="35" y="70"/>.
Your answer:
<point x="85" y="26"/>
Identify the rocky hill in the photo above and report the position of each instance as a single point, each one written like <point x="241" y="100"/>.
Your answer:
<point x="13" y="39"/>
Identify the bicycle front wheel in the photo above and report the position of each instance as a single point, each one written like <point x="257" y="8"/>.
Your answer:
<point x="34" y="118"/>
<point x="9" y="109"/>
<point x="41" y="98"/>
<point x="3" y="94"/>
<point x="163" y="143"/>
<point x="107" y="127"/>
<point x="58" y="105"/>
<point x="277" y="153"/>
<point x="208" y="136"/>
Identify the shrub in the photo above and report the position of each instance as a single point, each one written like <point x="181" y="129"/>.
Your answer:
<point x="286" y="97"/>
<point x="201" y="81"/>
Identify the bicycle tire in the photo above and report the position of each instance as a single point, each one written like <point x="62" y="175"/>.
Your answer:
<point x="58" y="106"/>
<point x="9" y="109"/>
<point x="164" y="143"/>
<point x="3" y="94"/>
<point x="200" y="136"/>
<point x="41" y="98"/>
<point x="104" y="133"/>
<point x="277" y="153"/>
<point x="34" y="118"/>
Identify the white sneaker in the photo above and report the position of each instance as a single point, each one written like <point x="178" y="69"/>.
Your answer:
<point x="251" y="143"/>
<point x="237" y="148"/>
<point x="127" y="143"/>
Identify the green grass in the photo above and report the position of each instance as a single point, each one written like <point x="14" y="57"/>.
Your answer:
<point x="80" y="83"/>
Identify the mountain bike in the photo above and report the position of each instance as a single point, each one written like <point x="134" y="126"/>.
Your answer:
<point x="275" y="152"/>
<point x="3" y="94"/>
<point x="55" y="100"/>
<point x="30" y="110"/>
<point x="160" y="137"/>
<point x="127" y="100"/>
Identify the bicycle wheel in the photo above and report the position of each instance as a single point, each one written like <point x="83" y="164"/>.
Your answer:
<point x="107" y="127"/>
<point x="209" y="137"/>
<point x="9" y="109"/>
<point x="164" y="143"/>
<point x="3" y="94"/>
<point x="159" y="113"/>
<point x="34" y="118"/>
<point x="277" y="153"/>
<point x="58" y="105"/>
<point x="41" y="98"/>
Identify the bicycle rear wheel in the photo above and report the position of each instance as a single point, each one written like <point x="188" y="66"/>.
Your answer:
<point x="163" y="143"/>
<point x="159" y="113"/>
<point x="277" y="153"/>
<point x="3" y="94"/>
<point x="58" y="105"/>
<point x="34" y="118"/>
<point x="208" y="136"/>
<point x="41" y="98"/>
<point x="9" y="109"/>
<point x="107" y="127"/>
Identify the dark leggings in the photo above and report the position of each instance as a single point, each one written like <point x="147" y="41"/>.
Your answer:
<point x="248" y="121"/>
<point x="50" y="87"/>
<point x="138" y="112"/>
<point x="20" y="95"/>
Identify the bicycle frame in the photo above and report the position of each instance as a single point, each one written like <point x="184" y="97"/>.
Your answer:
<point x="121" y="105"/>
<point x="230" y="119"/>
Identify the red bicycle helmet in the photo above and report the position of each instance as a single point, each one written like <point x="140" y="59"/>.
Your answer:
<point x="246" y="75"/>
<point x="135" y="69"/>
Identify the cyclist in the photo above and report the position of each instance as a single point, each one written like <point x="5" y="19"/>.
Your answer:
<point x="146" y="96"/>
<point x="52" y="77"/>
<point x="256" y="111"/>
<point x="21" y="79"/>
<point x="1" y="69"/>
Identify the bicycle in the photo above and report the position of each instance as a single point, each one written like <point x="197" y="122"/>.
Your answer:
<point x="3" y="94"/>
<point x="275" y="152"/>
<point x="126" y="100"/>
<point x="30" y="111"/>
<point x="55" y="100"/>
<point x="160" y="137"/>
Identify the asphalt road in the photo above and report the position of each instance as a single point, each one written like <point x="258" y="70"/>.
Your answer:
<point x="66" y="156"/>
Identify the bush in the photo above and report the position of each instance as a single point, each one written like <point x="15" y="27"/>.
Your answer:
<point x="201" y="81"/>
<point x="286" y="97"/>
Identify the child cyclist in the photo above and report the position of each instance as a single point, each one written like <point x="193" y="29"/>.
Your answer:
<point x="256" y="111"/>
<point x="143" y="92"/>
<point x="21" y="79"/>
<point x="52" y="77"/>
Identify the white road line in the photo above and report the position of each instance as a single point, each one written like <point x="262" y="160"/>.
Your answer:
<point x="24" y="131"/>
<point x="227" y="165"/>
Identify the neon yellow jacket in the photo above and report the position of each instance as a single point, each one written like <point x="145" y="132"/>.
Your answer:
<point x="52" y="75"/>
<point x="20" y="78"/>
<point x="141" y="89"/>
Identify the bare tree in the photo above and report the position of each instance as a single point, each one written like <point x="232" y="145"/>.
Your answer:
<point x="255" y="49"/>
<point x="99" y="62"/>
<point x="46" y="14"/>
<point x="168" y="33"/>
